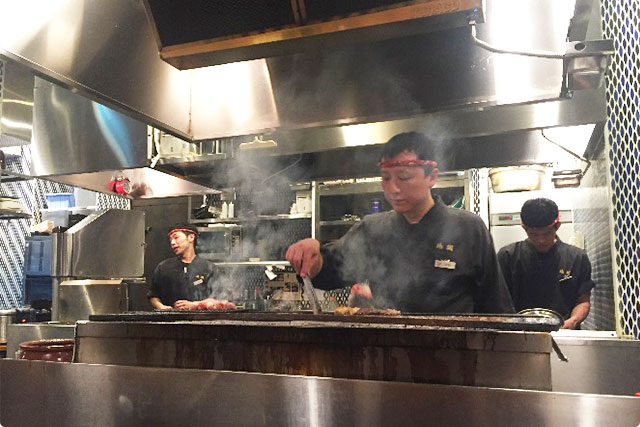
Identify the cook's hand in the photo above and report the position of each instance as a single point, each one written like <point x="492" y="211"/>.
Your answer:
<point x="305" y="257"/>
<point x="360" y="296"/>
<point x="362" y="290"/>
<point x="184" y="304"/>
<point x="570" y="324"/>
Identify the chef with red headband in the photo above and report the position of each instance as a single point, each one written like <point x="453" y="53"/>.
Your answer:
<point x="184" y="280"/>
<point x="420" y="257"/>
<point x="543" y="271"/>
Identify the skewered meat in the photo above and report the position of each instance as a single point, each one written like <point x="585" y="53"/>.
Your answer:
<point x="355" y="311"/>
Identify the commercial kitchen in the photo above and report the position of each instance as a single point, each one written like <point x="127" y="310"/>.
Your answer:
<point x="262" y="123"/>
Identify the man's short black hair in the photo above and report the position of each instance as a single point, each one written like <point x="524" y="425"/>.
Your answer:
<point x="536" y="213"/>
<point x="410" y="141"/>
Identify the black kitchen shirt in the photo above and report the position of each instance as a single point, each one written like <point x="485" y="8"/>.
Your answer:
<point x="175" y="280"/>
<point x="446" y="263"/>
<point x="551" y="280"/>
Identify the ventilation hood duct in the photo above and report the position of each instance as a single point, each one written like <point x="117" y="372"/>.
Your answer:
<point x="16" y="104"/>
<point x="198" y="33"/>
<point x="85" y="144"/>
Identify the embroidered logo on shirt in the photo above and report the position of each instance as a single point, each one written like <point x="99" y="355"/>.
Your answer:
<point x="439" y="246"/>
<point x="445" y="263"/>
<point x="199" y="279"/>
<point x="450" y="248"/>
<point x="564" y="275"/>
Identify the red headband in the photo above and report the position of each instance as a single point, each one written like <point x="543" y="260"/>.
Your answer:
<point x="393" y="164"/>
<point x="554" y="222"/>
<point x="184" y="230"/>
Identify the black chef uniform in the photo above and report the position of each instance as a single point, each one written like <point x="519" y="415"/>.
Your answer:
<point x="446" y="263"/>
<point x="551" y="280"/>
<point x="175" y="280"/>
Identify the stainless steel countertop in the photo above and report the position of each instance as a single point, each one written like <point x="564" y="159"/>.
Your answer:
<point x="74" y="394"/>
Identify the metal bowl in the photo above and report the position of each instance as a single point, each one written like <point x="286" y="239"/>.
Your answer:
<point x="543" y="312"/>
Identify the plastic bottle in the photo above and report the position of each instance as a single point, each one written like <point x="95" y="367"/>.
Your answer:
<point x="375" y="206"/>
<point x="225" y="211"/>
<point x="231" y="208"/>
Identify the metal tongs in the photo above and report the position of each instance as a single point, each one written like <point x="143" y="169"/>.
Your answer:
<point x="311" y="295"/>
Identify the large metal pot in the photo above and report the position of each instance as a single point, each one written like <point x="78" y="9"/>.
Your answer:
<point x="516" y="178"/>
<point x="7" y="317"/>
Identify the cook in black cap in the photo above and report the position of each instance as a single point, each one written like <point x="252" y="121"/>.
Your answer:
<point x="543" y="271"/>
<point x="183" y="280"/>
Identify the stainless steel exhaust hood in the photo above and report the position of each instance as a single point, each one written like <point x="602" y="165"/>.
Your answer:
<point x="198" y="33"/>
<point x="85" y="144"/>
<point x="433" y="81"/>
<point x="380" y="79"/>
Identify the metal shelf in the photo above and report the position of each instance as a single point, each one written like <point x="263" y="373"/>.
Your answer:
<point x="251" y="219"/>
<point x="339" y="222"/>
<point x="250" y="263"/>
<point x="9" y="176"/>
<point x="374" y="185"/>
<point x="8" y="214"/>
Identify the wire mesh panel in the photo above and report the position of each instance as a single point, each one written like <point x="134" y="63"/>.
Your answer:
<point x="474" y="178"/>
<point x="112" y="201"/>
<point x="12" y="241"/>
<point x="621" y="19"/>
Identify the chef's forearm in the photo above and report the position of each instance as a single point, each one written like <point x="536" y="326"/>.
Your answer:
<point x="578" y="314"/>
<point x="581" y="311"/>
<point x="157" y="304"/>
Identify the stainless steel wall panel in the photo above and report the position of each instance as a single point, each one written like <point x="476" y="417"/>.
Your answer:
<point x="597" y="365"/>
<point x="105" y="49"/>
<point x="78" y="299"/>
<point x="106" y="244"/>
<point x="73" y="394"/>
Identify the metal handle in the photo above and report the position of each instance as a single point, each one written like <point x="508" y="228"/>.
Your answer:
<point x="311" y="294"/>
